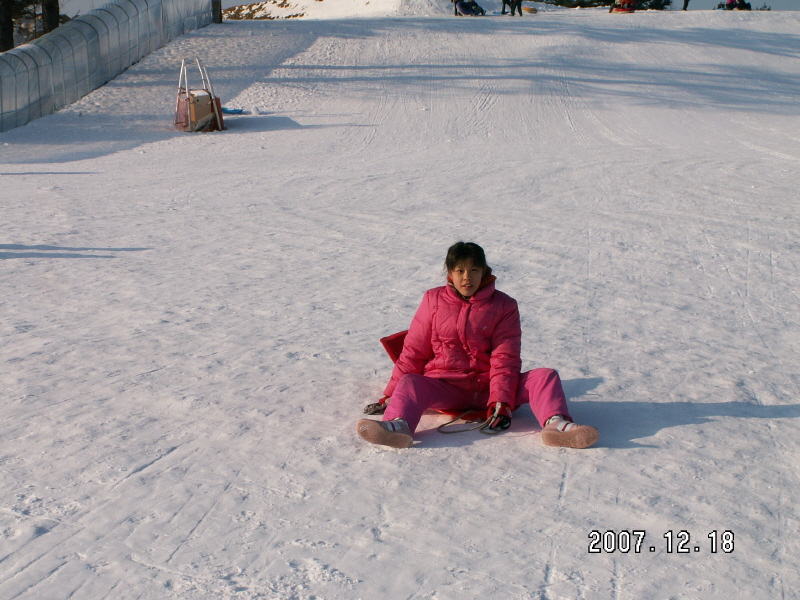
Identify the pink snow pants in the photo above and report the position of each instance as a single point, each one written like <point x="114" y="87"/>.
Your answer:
<point x="414" y="394"/>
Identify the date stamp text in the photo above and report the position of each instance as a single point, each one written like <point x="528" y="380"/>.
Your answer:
<point x="633" y="540"/>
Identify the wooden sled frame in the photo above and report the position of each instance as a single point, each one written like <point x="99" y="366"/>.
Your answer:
<point x="198" y="109"/>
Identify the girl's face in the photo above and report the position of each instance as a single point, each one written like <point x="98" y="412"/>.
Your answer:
<point x="466" y="278"/>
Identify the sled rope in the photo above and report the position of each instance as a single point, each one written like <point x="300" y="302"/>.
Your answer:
<point x="482" y="426"/>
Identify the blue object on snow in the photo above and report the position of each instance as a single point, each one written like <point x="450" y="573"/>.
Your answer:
<point x="232" y="111"/>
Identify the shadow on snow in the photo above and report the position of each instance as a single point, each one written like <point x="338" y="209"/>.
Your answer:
<point x="621" y="424"/>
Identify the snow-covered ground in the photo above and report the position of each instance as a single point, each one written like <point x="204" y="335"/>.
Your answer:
<point x="190" y="322"/>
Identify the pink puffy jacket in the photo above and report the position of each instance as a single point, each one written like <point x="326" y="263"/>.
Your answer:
<point x="473" y="344"/>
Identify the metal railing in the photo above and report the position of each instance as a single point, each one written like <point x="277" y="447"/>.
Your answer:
<point x="38" y="78"/>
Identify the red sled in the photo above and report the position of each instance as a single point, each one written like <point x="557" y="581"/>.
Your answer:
<point x="393" y="344"/>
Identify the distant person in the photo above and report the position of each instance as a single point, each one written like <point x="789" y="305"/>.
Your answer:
<point x="623" y="6"/>
<point x="476" y="9"/>
<point x="685" y="4"/>
<point x="462" y="353"/>
<point x="514" y="5"/>
<point x="467" y="8"/>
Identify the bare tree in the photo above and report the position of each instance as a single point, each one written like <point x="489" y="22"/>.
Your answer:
<point x="50" y="10"/>
<point x="6" y="25"/>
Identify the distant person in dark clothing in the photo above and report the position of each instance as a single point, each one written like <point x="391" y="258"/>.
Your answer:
<point x="514" y="4"/>
<point x="476" y="10"/>
<point x="685" y="4"/>
<point x="467" y="7"/>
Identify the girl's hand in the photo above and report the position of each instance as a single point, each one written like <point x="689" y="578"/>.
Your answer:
<point x="377" y="408"/>
<point x="498" y="417"/>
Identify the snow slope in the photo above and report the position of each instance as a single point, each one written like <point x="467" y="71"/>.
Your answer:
<point x="319" y="9"/>
<point x="190" y="322"/>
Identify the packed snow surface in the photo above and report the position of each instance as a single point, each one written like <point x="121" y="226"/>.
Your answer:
<point x="190" y="322"/>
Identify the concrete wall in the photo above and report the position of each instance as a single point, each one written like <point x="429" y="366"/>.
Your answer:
<point x="37" y="79"/>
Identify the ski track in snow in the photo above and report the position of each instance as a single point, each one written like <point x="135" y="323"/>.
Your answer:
<point x="190" y="322"/>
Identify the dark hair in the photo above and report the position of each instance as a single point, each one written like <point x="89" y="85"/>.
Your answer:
<point x="461" y="252"/>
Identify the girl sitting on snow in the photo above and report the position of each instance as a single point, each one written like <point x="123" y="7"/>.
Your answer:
<point x="462" y="352"/>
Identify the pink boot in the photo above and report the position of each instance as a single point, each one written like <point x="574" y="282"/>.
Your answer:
<point x="394" y="433"/>
<point x="566" y="434"/>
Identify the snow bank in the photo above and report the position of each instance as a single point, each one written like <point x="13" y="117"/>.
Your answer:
<point x="286" y="9"/>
